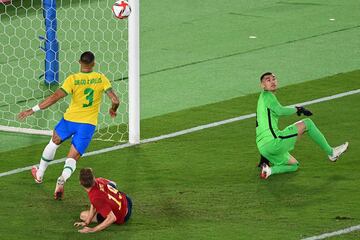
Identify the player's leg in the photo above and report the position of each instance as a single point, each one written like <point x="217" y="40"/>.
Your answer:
<point x="291" y="166"/>
<point x="308" y="126"/>
<point x="79" y="144"/>
<point x="60" y="134"/>
<point x="70" y="163"/>
<point x="301" y="128"/>
<point x="281" y="164"/>
<point x="69" y="168"/>
<point x="85" y="214"/>
<point x="277" y="152"/>
<point x="315" y="134"/>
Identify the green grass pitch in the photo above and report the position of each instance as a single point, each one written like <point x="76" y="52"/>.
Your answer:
<point x="198" y="66"/>
<point x="205" y="185"/>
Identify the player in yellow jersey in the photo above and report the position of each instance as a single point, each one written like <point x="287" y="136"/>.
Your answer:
<point x="79" y="121"/>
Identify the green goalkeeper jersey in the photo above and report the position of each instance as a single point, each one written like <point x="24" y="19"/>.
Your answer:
<point x="267" y="116"/>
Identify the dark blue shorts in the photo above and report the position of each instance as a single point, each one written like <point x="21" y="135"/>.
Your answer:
<point x="81" y="133"/>
<point x="129" y="206"/>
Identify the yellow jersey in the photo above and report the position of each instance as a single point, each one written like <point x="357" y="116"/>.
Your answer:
<point x="86" y="90"/>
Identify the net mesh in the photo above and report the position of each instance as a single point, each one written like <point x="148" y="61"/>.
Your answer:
<point x="82" y="25"/>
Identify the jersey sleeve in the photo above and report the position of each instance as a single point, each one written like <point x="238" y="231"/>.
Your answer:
<point x="107" y="84"/>
<point x="274" y="105"/>
<point x="68" y="85"/>
<point x="102" y="180"/>
<point x="102" y="206"/>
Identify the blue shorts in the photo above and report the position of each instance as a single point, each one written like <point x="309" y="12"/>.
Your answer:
<point x="81" y="133"/>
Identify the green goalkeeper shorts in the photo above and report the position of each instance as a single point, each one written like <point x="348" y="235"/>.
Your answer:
<point x="277" y="150"/>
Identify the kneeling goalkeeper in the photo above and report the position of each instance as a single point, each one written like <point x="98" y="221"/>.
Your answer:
<point x="275" y="144"/>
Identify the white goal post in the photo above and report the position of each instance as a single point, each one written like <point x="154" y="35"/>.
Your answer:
<point x="81" y="25"/>
<point x="134" y="73"/>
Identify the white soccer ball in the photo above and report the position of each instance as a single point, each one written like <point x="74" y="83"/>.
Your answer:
<point x="121" y="9"/>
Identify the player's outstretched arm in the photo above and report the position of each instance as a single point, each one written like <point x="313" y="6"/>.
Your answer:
<point x="276" y="107"/>
<point x="114" y="103"/>
<point x="110" y="219"/>
<point x="53" y="98"/>
<point x="91" y="215"/>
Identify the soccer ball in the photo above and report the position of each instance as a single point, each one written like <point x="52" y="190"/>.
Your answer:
<point x="121" y="9"/>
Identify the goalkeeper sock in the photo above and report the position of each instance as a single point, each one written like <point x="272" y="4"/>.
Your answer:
<point x="284" y="168"/>
<point x="69" y="168"/>
<point x="47" y="156"/>
<point x="317" y="136"/>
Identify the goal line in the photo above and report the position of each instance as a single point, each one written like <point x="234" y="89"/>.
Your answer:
<point x="25" y="130"/>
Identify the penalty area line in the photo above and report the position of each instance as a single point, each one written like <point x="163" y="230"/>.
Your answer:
<point x="183" y="132"/>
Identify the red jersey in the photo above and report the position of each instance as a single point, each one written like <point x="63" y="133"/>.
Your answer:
<point x="105" y="198"/>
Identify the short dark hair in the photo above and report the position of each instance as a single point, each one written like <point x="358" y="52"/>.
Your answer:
<point x="86" y="177"/>
<point x="87" y="57"/>
<point x="265" y="74"/>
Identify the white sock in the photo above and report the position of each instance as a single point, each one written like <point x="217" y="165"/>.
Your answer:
<point x="47" y="156"/>
<point x="69" y="168"/>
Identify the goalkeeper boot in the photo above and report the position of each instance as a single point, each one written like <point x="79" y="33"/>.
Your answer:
<point x="337" y="151"/>
<point x="59" y="189"/>
<point x="34" y="170"/>
<point x="265" y="171"/>
<point x="263" y="160"/>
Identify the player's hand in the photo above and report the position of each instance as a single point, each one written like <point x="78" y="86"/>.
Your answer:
<point x="302" y="110"/>
<point x="25" y="114"/>
<point x="86" y="230"/>
<point x="112" y="113"/>
<point x="80" y="224"/>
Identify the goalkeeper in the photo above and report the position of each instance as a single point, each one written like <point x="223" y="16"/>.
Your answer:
<point x="274" y="144"/>
<point x="79" y="121"/>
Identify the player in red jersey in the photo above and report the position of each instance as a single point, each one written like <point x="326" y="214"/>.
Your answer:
<point x="108" y="205"/>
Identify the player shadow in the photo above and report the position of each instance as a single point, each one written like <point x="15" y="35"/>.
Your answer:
<point x="292" y="189"/>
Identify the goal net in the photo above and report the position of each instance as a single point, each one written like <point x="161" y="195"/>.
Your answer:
<point x="78" y="26"/>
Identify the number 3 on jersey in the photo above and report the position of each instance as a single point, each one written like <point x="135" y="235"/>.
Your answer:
<point x="89" y="92"/>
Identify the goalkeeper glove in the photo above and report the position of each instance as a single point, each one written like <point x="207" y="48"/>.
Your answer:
<point x="302" y="110"/>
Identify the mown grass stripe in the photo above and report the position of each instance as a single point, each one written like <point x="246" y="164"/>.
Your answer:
<point x="186" y="131"/>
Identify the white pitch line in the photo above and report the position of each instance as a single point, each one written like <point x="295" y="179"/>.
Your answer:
<point x="340" y="232"/>
<point x="26" y="130"/>
<point x="183" y="132"/>
<point x="324" y="99"/>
